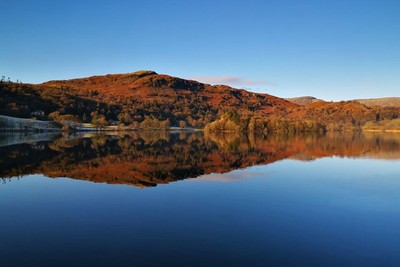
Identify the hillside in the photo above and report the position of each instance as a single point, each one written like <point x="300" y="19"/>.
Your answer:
<point x="314" y="117"/>
<point x="346" y="115"/>
<point x="304" y="100"/>
<point x="151" y="87"/>
<point x="147" y="100"/>
<point x="143" y="97"/>
<point x="382" y="102"/>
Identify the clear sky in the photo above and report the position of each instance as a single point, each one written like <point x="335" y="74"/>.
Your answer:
<point x="337" y="49"/>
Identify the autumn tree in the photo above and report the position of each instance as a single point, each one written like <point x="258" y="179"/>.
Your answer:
<point x="182" y="124"/>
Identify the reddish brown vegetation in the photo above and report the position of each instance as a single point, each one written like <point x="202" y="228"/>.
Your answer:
<point x="150" y="86"/>
<point x="304" y="100"/>
<point x="145" y="96"/>
<point x="348" y="114"/>
<point x="131" y="98"/>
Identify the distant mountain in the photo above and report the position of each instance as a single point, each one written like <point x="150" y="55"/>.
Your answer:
<point x="381" y="102"/>
<point x="303" y="100"/>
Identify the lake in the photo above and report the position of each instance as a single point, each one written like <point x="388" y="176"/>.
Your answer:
<point x="196" y="199"/>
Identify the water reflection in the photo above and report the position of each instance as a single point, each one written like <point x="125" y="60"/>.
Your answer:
<point x="150" y="158"/>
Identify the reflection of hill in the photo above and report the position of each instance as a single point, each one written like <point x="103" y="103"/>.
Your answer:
<point x="147" y="159"/>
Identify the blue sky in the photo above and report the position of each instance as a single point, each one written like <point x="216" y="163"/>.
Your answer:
<point x="333" y="50"/>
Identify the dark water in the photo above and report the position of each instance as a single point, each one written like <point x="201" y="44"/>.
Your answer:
<point x="185" y="199"/>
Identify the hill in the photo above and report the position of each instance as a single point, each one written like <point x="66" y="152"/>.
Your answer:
<point x="314" y="117"/>
<point x="345" y="115"/>
<point x="382" y="102"/>
<point x="303" y="100"/>
<point x="143" y="97"/>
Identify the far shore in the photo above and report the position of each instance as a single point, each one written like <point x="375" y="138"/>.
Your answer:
<point x="13" y="124"/>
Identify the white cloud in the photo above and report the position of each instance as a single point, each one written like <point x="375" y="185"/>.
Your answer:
<point x="230" y="80"/>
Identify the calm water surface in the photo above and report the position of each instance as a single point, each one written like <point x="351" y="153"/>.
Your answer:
<point x="185" y="199"/>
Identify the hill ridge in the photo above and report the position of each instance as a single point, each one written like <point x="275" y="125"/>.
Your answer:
<point x="134" y="97"/>
<point x="379" y="101"/>
<point x="146" y="99"/>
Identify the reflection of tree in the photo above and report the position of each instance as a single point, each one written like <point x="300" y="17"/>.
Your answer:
<point x="150" y="158"/>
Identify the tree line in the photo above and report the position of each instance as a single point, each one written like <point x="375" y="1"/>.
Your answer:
<point x="232" y="121"/>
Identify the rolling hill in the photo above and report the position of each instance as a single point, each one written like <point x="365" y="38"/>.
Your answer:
<point x="303" y="100"/>
<point x="381" y="102"/>
<point x="133" y="98"/>
<point x="145" y="99"/>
